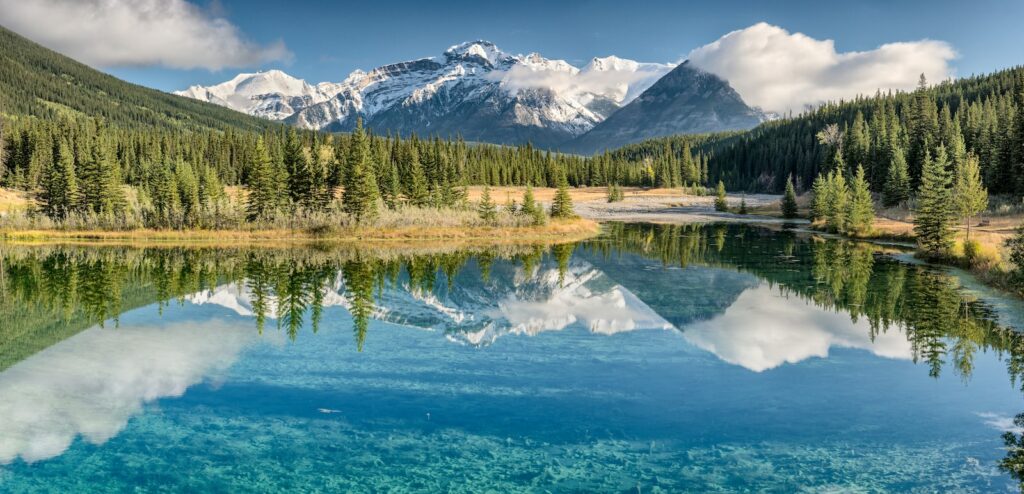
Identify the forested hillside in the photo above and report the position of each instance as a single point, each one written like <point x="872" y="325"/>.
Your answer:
<point x="982" y="115"/>
<point x="42" y="83"/>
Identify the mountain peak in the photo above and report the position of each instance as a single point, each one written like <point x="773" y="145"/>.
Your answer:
<point x="611" y="63"/>
<point x="476" y="51"/>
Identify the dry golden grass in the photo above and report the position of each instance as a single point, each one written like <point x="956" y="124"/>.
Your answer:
<point x="11" y="201"/>
<point x="500" y="195"/>
<point x="555" y="231"/>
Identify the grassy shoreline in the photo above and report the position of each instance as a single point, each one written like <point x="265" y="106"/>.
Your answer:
<point x="554" y="231"/>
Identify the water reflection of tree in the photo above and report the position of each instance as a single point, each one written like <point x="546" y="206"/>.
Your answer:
<point x="50" y="294"/>
<point x="944" y="326"/>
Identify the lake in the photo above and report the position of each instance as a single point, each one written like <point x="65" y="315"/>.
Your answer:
<point x="654" y="358"/>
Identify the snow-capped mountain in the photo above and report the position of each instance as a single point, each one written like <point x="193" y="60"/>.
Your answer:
<point x="473" y="89"/>
<point x="272" y="94"/>
<point x="474" y="312"/>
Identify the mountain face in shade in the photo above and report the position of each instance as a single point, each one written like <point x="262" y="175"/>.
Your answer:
<point x="685" y="101"/>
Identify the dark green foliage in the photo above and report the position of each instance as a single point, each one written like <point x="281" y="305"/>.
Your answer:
<point x="1015" y="247"/>
<point x="531" y="208"/>
<point x="789" y="206"/>
<point x="359" y="199"/>
<point x="861" y="214"/>
<point x="743" y="205"/>
<point x="720" y="202"/>
<point x="38" y="82"/>
<point x="985" y="109"/>
<point x="615" y="193"/>
<point x="263" y="188"/>
<point x="896" y="189"/>
<point x="561" y="206"/>
<point x="487" y="209"/>
<point x="935" y="212"/>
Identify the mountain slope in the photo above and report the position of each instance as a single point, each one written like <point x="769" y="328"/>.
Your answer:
<point x="39" y="82"/>
<point x="685" y="101"/>
<point x="473" y="89"/>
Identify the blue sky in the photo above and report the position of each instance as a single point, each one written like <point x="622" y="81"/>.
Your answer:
<point x="327" y="40"/>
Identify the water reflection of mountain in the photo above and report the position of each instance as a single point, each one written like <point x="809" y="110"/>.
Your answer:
<point x="636" y="276"/>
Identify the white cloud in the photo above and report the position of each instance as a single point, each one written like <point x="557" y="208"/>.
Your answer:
<point x="781" y="71"/>
<point x="762" y="331"/>
<point x="620" y="84"/>
<point x="92" y="384"/>
<point x="109" y="33"/>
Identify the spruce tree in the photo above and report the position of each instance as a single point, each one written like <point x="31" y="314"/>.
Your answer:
<point x="359" y="198"/>
<point x="416" y="191"/>
<point x="531" y="208"/>
<point x="836" y="210"/>
<point x="970" y="194"/>
<point x="720" y="203"/>
<point x="561" y="206"/>
<point x="896" y="190"/>
<point x="789" y="206"/>
<point x="861" y="213"/>
<point x="262" y="200"/>
<point x="743" y="205"/>
<point x="59" y="195"/>
<point x="935" y="211"/>
<point x="821" y="193"/>
<point x="487" y="209"/>
<point x="165" y="198"/>
<point x="297" y="167"/>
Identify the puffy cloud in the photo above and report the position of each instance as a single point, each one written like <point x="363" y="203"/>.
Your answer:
<point x="109" y="33"/>
<point x="762" y="331"/>
<point x="92" y="384"/>
<point x="781" y="71"/>
<point x="620" y="83"/>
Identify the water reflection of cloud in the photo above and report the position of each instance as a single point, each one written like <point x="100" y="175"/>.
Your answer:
<point x="1000" y="422"/>
<point x="91" y="384"/>
<point x="763" y="330"/>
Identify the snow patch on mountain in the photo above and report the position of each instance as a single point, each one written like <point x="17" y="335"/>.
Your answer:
<point x="469" y="82"/>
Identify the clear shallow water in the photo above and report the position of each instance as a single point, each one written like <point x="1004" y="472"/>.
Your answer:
<point x="709" y="359"/>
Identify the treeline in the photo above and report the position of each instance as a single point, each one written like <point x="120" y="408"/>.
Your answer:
<point x="173" y="178"/>
<point x="983" y="114"/>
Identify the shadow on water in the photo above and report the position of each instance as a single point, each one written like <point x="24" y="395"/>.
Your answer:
<point x="48" y="294"/>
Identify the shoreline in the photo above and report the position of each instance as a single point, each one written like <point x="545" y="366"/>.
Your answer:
<point x="555" y="231"/>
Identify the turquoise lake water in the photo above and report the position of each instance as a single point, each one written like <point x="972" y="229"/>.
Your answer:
<point x="655" y="358"/>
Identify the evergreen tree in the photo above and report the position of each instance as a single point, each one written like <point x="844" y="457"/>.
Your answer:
<point x="165" y="198"/>
<point x="487" y="209"/>
<point x="837" y="209"/>
<point x="970" y="194"/>
<point x="561" y="207"/>
<point x="59" y="196"/>
<point x="300" y="181"/>
<point x="896" y="190"/>
<point x="1015" y="247"/>
<point x="821" y="198"/>
<point x="720" y="203"/>
<point x="531" y="208"/>
<point x="743" y="205"/>
<point x="861" y="208"/>
<point x="262" y="200"/>
<point x="935" y="212"/>
<point x="390" y="189"/>
<point x="188" y="191"/>
<point x="789" y="206"/>
<point x="416" y="192"/>
<point x="359" y="198"/>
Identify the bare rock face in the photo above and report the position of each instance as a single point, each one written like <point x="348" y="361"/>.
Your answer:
<point x="687" y="100"/>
